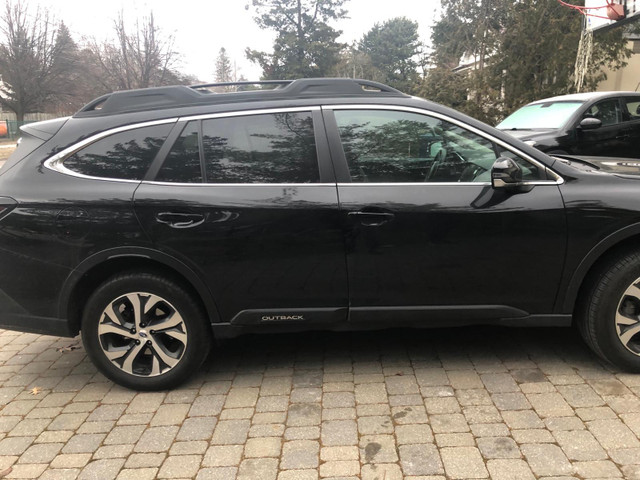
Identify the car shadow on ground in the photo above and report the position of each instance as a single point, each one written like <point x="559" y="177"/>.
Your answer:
<point x="551" y="349"/>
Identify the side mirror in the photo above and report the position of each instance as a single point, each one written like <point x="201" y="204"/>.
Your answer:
<point x="590" y="123"/>
<point x="506" y="173"/>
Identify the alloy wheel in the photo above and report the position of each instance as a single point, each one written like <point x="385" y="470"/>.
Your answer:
<point x="142" y="334"/>
<point x="628" y="318"/>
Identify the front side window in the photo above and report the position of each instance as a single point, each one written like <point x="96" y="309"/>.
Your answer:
<point x="607" y="111"/>
<point x="126" y="155"/>
<point x="264" y="148"/>
<point x="385" y="146"/>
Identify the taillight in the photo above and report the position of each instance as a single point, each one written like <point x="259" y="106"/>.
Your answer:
<point x="6" y="205"/>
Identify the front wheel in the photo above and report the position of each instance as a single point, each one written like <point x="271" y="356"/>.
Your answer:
<point x="144" y="331"/>
<point x="610" y="319"/>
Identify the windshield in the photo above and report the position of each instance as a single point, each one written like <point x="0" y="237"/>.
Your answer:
<point x="540" y="116"/>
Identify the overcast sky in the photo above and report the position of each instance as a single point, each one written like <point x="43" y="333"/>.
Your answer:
<point x="202" y="27"/>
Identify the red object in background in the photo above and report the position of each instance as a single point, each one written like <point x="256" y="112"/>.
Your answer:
<point x="3" y="129"/>
<point x="615" y="11"/>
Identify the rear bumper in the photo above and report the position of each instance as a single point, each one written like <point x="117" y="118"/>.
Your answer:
<point x="32" y="324"/>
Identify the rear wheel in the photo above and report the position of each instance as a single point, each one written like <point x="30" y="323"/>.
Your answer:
<point x="144" y="331"/>
<point x="610" y="319"/>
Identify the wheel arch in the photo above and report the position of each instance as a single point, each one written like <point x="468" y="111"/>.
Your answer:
<point x="97" y="268"/>
<point x="623" y="240"/>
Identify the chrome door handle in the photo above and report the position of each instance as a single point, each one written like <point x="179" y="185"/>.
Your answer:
<point x="180" y="220"/>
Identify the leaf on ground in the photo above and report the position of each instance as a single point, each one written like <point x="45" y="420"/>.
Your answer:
<point x="35" y="390"/>
<point x="6" y="472"/>
<point x="67" y="348"/>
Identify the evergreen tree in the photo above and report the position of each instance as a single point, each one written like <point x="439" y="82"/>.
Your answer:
<point x="306" y="46"/>
<point x="224" y="70"/>
<point x="392" y="48"/>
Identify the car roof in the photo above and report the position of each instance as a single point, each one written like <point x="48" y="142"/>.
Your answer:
<point x="178" y="96"/>
<point x="585" y="97"/>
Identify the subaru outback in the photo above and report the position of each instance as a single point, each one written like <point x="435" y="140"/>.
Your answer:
<point x="154" y="221"/>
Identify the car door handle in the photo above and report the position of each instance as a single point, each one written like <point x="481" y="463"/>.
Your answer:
<point x="372" y="219"/>
<point x="180" y="220"/>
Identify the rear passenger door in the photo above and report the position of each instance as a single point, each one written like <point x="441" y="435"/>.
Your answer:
<point x="608" y="139"/>
<point x="249" y="201"/>
<point x="632" y="129"/>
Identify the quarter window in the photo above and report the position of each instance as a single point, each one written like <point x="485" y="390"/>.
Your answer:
<point x="265" y="148"/>
<point x="125" y="155"/>
<point x="384" y="146"/>
<point x="633" y="107"/>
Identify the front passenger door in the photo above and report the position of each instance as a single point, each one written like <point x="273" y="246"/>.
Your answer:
<point x="438" y="242"/>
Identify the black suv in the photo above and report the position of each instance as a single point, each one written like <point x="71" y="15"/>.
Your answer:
<point x="154" y="221"/>
<point x="597" y="123"/>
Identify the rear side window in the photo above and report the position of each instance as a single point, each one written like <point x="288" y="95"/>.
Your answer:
<point x="125" y="156"/>
<point x="633" y="107"/>
<point x="182" y="164"/>
<point x="265" y="148"/>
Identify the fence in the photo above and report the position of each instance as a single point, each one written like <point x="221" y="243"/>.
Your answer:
<point x="10" y="129"/>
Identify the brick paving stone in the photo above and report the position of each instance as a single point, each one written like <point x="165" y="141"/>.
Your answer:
<point x="304" y="414"/>
<point x="25" y="471"/>
<point x="170" y="414"/>
<point x="597" y="469"/>
<point x="532" y="436"/>
<point x="509" y="470"/>
<point x="580" y="396"/>
<point x="463" y="463"/>
<point x="339" y="432"/>
<point x="613" y="434"/>
<point x="499" y="383"/>
<point x="340" y="468"/>
<point x="510" y="401"/>
<point x="263" y="447"/>
<point x="580" y="445"/>
<point x="378" y="449"/>
<point x="422" y="459"/>
<point x="300" y="454"/>
<point x="180" y="466"/>
<point x="449" y="423"/>
<point x="101" y="470"/>
<point x="298" y="475"/>
<point x="15" y="445"/>
<point x="546" y="459"/>
<point x="196" y="428"/>
<point x="302" y="433"/>
<point x="549" y="405"/>
<point x="498" y="447"/>
<point x="339" y="453"/>
<point x="207" y="405"/>
<point x="156" y="439"/>
<point x="138" y="474"/>
<point x="223" y="456"/>
<point x="367" y="393"/>
<point x="375" y="425"/>
<point x="228" y="432"/>
<point x="258" y="468"/>
<point x="41" y="453"/>
<point x="416" y="433"/>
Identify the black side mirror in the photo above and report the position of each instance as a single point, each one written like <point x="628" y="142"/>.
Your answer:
<point x="506" y="173"/>
<point x="590" y="123"/>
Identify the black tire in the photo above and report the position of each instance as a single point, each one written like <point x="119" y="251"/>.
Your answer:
<point x="608" y="315"/>
<point x="144" y="357"/>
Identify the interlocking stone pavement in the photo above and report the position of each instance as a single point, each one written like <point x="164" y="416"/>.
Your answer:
<point x="471" y="403"/>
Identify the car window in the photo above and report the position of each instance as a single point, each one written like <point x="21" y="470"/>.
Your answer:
<point x="607" y="111"/>
<point x="126" y="155"/>
<point x="633" y="107"/>
<point x="265" y="148"/>
<point x="183" y="160"/>
<point x="384" y="146"/>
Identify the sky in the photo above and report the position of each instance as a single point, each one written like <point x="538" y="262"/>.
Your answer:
<point x="202" y="27"/>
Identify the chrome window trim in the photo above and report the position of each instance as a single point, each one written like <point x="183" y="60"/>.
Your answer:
<point x="56" y="162"/>
<point x="235" y="185"/>
<point x="440" y="184"/>
<point x="243" y="113"/>
<point x="558" y="179"/>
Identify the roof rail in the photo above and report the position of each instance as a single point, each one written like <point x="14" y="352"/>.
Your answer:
<point x="182" y="96"/>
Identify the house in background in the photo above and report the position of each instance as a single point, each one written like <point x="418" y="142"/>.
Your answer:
<point x="626" y="78"/>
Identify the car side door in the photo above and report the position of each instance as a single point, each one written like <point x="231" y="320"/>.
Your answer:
<point x="427" y="236"/>
<point x="248" y="201"/>
<point x="632" y="126"/>
<point x="609" y="139"/>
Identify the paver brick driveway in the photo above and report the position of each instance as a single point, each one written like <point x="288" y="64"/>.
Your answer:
<point x="458" y="403"/>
